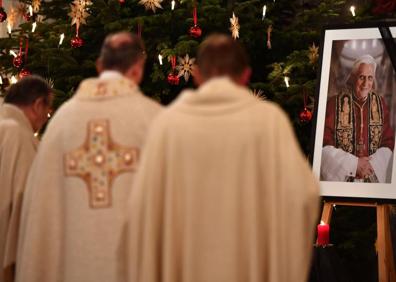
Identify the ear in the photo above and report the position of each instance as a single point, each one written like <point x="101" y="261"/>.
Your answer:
<point x="197" y="76"/>
<point x="244" y="78"/>
<point x="38" y="105"/>
<point x="99" y="66"/>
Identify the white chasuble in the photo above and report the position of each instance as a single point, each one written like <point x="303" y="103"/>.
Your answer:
<point x="79" y="183"/>
<point x="223" y="194"/>
<point x="17" y="151"/>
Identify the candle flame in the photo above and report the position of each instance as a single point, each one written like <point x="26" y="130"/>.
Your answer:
<point x="13" y="79"/>
<point x="173" y="4"/>
<point x="9" y="28"/>
<point x="31" y="10"/>
<point x="322" y="222"/>
<point x="62" y="36"/>
<point x="287" y="79"/>
<point x="160" y="59"/>
<point x="34" y="25"/>
<point x="35" y="134"/>
<point x="1" y="80"/>
<point x="352" y="9"/>
<point x="13" y="53"/>
<point x="264" y="11"/>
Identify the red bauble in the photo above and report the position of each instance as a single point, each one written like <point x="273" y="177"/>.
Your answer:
<point x="173" y="79"/>
<point x="305" y="115"/>
<point x="27" y="17"/>
<point x="121" y="1"/>
<point x="17" y="61"/>
<point x="195" y="31"/>
<point x="24" y="72"/>
<point x="77" y="42"/>
<point x="3" y="15"/>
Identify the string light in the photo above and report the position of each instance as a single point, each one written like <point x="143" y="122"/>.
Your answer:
<point x="13" y="53"/>
<point x="352" y="9"/>
<point x="31" y="10"/>
<point x="160" y="59"/>
<point x="35" y="134"/>
<point x="1" y="80"/>
<point x="13" y="79"/>
<point x="9" y="28"/>
<point x="264" y="11"/>
<point x="173" y="3"/>
<point x="287" y="79"/>
<point x="62" y="36"/>
<point x="34" y="25"/>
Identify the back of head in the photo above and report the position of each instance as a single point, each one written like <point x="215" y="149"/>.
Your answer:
<point x="27" y="90"/>
<point x="120" y="51"/>
<point x="220" y="55"/>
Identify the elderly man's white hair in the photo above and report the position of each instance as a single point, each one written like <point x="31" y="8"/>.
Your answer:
<point x="365" y="59"/>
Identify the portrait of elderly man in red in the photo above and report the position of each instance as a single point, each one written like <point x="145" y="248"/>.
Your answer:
<point x="358" y="141"/>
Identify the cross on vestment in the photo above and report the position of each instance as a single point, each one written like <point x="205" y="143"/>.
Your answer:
<point x="98" y="161"/>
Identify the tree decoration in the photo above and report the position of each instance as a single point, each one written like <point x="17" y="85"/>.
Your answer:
<point x="36" y="5"/>
<point x="313" y="54"/>
<point x="79" y="15"/>
<point x="264" y="11"/>
<point x="269" y="31"/>
<point x="234" y="26"/>
<point x="195" y="31"/>
<point x="306" y="114"/>
<point x="353" y="9"/>
<point x="258" y="93"/>
<point x="185" y="67"/>
<point x="12" y="16"/>
<point x="77" y="42"/>
<point x="18" y="60"/>
<point x="3" y="14"/>
<point x="151" y="4"/>
<point x="173" y="78"/>
<point x="121" y="2"/>
<point x="24" y="72"/>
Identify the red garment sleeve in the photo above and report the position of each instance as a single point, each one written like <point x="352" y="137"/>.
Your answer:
<point x="388" y="134"/>
<point x="329" y="130"/>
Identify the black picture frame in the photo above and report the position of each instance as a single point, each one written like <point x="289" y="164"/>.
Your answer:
<point x="340" y="47"/>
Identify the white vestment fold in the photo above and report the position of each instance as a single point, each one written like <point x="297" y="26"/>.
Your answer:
<point x="223" y="194"/>
<point x="79" y="183"/>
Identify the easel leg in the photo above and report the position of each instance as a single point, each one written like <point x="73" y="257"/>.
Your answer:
<point x="386" y="268"/>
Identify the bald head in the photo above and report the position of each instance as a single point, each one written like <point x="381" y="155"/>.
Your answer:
<point x="120" y="51"/>
<point x="220" y="55"/>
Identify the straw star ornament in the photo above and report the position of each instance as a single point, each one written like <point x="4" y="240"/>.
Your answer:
<point x="185" y="67"/>
<point x="234" y="26"/>
<point x="151" y="4"/>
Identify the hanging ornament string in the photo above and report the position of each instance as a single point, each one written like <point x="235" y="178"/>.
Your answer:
<point x="195" y="16"/>
<point x="173" y="62"/>
<point x="269" y="31"/>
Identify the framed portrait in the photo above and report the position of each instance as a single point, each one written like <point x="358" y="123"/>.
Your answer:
<point x="355" y="118"/>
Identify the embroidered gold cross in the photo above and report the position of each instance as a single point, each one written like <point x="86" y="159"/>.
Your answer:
<point x="98" y="161"/>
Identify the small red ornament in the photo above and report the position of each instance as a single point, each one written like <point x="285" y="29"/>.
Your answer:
<point x="17" y="61"/>
<point x="24" y="72"/>
<point x="173" y="79"/>
<point x="195" y="31"/>
<point x="77" y="42"/>
<point x="3" y="15"/>
<point x="27" y="17"/>
<point x="305" y="115"/>
<point x="121" y="1"/>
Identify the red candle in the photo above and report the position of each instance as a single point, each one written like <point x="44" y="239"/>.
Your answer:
<point x="323" y="234"/>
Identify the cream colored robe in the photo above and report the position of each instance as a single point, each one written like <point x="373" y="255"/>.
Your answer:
<point x="67" y="235"/>
<point x="17" y="150"/>
<point x="223" y="194"/>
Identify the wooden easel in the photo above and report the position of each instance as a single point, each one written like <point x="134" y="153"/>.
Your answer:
<point x="386" y="267"/>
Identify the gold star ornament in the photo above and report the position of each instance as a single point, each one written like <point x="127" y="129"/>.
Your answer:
<point x="234" y="26"/>
<point x="151" y="4"/>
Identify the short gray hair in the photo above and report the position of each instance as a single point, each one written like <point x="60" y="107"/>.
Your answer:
<point x="365" y="59"/>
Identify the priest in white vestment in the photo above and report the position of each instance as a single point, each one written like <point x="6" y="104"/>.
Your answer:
<point x="223" y="193"/>
<point x="23" y="113"/>
<point x="79" y="183"/>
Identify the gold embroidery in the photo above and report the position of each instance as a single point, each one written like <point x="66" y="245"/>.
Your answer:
<point x="344" y="123"/>
<point x="98" y="161"/>
<point x="374" y="111"/>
